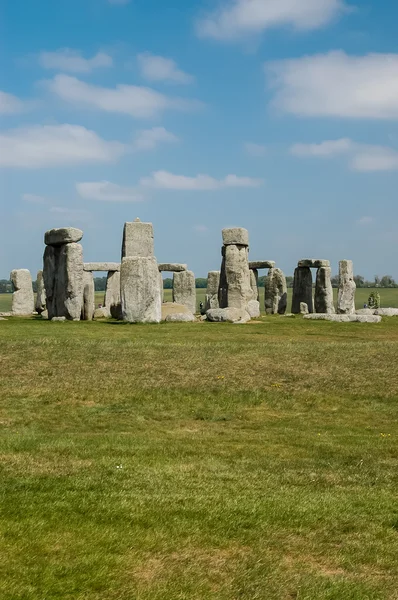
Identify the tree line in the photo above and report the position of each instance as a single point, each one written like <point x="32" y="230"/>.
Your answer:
<point x="385" y="281"/>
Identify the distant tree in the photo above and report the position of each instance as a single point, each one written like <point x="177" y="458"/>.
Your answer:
<point x="335" y="281"/>
<point x="289" y="281"/>
<point x="359" y="280"/>
<point x="377" y="281"/>
<point x="261" y="281"/>
<point x="5" y="286"/>
<point x="100" y="284"/>
<point x="34" y="285"/>
<point x="387" y="282"/>
<point x="168" y="283"/>
<point x="201" y="283"/>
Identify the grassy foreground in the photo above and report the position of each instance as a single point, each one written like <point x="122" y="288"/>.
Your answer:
<point x="198" y="461"/>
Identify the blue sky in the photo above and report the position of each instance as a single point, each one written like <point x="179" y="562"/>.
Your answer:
<point x="275" y="115"/>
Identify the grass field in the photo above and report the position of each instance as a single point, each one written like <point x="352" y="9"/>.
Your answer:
<point x="198" y="461"/>
<point x="389" y="298"/>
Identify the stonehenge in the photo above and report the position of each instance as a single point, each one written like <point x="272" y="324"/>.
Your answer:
<point x="275" y="293"/>
<point x="322" y="300"/>
<point x="22" y="298"/>
<point x="40" y="303"/>
<point x="213" y="284"/>
<point x="302" y="289"/>
<point x="112" y="300"/>
<point x="88" y="306"/>
<point x="184" y="289"/>
<point x="347" y="288"/>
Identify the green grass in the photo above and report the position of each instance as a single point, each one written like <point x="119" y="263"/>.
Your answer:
<point x="255" y="462"/>
<point x="389" y="298"/>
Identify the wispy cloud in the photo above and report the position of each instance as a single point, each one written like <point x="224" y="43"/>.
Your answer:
<point x="236" y="19"/>
<point x="71" y="215"/>
<point x="360" y="157"/>
<point x="149" y="139"/>
<point x="35" y="199"/>
<point x="202" y="229"/>
<point x="10" y="104"/>
<point x="139" y="102"/>
<point x="160" y="68"/>
<point x="365" y="221"/>
<point x="169" y="181"/>
<point x="256" y="150"/>
<point x="105" y="191"/>
<point x="337" y="85"/>
<point x="54" y="146"/>
<point x="66" y="59"/>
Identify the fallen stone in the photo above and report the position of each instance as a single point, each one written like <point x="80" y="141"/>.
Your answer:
<point x="140" y="291"/>
<point x="101" y="266"/>
<point x="63" y="280"/>
<point x="387" y="312"/>
<point x="213" y="284"/>
<point x="112" y="295"/>
<point x="303" y="308"/>
<point x="138" y="240"/>
<point x="184" y="289"/>
<point x="23" y="297"/>
<point x="180" y="318"/>
<point x="236" y="236"/>
<point x="347" y="288"/>
<point x="302" y="289"/>
<point x="253" y="309"/>
<point x="275" y="292"/>
<point x="40" y="303"/>
<point x="323" y="300"/>
<point x="88" y="305"/>
<point x="313" y="263"/>
<point x="172" y="267"/>
<point x="344" y="318"/>
<point x="101" y="313"/>
<point x="64" y="235"/>
<point x="261" y="264"/>
<point x="366" y="311"/>
<point x="171" y="308"/>
<point x="6" y="314"/>
<point x="58" y="319"/>
<point x="227" y="315"/>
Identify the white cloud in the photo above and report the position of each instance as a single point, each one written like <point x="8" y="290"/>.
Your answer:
<point x="159" y="68"/>
<point x="169" y="181"/>
<point x="337" y="85"/>
<point x="140" y="102"/>
<point x="241" y="18"/>
<point x="105" y="191"/>
<point x="55" y="145"/>
<point x="201" y="229"/>
<point x="149" y="139"/>
<point x="360" y="157"/>
<point x="66" y="59"/>
<point x="257" y="150"/>
<point x="10" y="104"/>
<point x="365" y="221"/>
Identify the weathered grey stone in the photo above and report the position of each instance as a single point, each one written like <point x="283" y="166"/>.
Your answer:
<point x="180" y="318"/>
<point x="6" y="314"/>
<point x="101" y="313"/>
<point x="366" y="311"/>
<point x="64" y="235"/>
<point x="261" y="264"/>
<point x="275" y="292"/>
<point x="22" y="298"/>
<point x="315" y="263"/>
<point x="138" y="240"/>
<point x="387" y="312"/>
<point x="63" y="280"/>
<point x="172" y="267"/>
<point x="227" y="315"/>
<point x="303" y="308"/>
<point x="112" y="295"/>
<point x="237" y="275"/>
<point x="184" y="289"/>
<point x="254" y="283"/>
<point x="344" y="318"/>
<point x="40" y="303"/>
<point x="102" y="266"/>
<point x="88" y="305"/>
<point x="140" y="290"/>
<point x="323" y="291"/>
<point x="44" y="315"/>
<point x="171" y="308"/>
<point x="58" y="319"/>
<point x="213" y="284"/>
<point x="236" y="236"/>
<point x="161" y="283"/>
<point x="347" y="288"/>
<point x="302" y="289"/>
<point x="253" y="309"/>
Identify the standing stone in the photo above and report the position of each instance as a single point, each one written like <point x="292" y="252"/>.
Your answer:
<point x="140" y="290"/>
<point x="324" y="291"/>
<point x="213" y="284"/>
<point x="88" y="306"/>
<point x="138" y="239"/>
<point x="161" y="283"/>
<point x="302" y="289"/>
<point x="63" y="280"/>
<point x="237" y="274"/>
<point x="184" y="289"/>
<point x="40" y="304"/>
<point x="112" y="295"/>
<point x="347" y="288"/>
<point x="275" y="292"/>
<point x="303" y="308"/>
<point x="22" y="298"/>
<point x="254" y="283"/>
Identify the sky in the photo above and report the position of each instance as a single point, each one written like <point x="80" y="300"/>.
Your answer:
<point x="275" y="115"/>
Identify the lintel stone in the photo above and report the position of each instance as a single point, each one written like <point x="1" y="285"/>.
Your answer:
<point x="101" y="266"/>
<point x="172" y="267"/>
<point x="64" y="235"/>
<point x="261" y="264"/>
<point x="235" y="236"/>
<point x="313" y="263"/>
